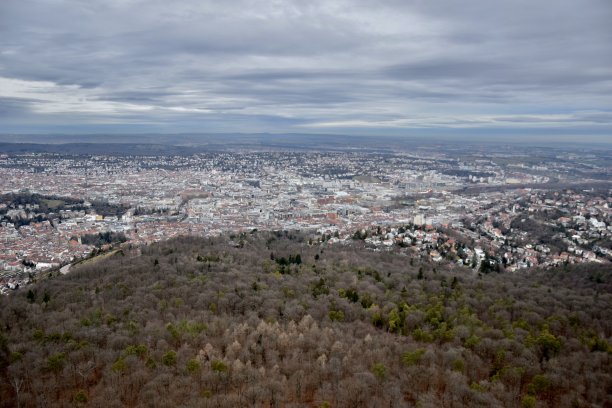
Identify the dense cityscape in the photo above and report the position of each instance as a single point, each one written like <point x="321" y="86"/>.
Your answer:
<point x="513" y="210"/>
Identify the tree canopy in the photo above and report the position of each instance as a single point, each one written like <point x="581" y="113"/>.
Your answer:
<point x="203" y="322"/>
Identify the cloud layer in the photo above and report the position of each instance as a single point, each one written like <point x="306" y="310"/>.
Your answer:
<point x="316" y="66"/>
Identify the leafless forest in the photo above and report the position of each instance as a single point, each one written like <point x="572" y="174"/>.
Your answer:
<point x="269" y="320"/>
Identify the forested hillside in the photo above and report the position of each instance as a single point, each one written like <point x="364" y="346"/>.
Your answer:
<point x="268" y="320"/>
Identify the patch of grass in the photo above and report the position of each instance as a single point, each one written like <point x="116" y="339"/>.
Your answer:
<point x="53" y="204"/>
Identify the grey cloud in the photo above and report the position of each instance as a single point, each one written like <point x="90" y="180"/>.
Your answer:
<point x="15" y="107"/>
<point x="277" y="64"/>
<point x="144" y="96"/>
<point x="444" y="69"/>
<point x="594" y="118"/>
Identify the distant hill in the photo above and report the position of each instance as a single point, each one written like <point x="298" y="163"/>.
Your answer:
<point x="127" y="149"/>
<point x="265" y="319"/>
<point x="179" y="144"/>
<point x="190" y="143"/>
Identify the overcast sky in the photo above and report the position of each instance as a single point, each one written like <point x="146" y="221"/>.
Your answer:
<point x="541" y="67"/>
